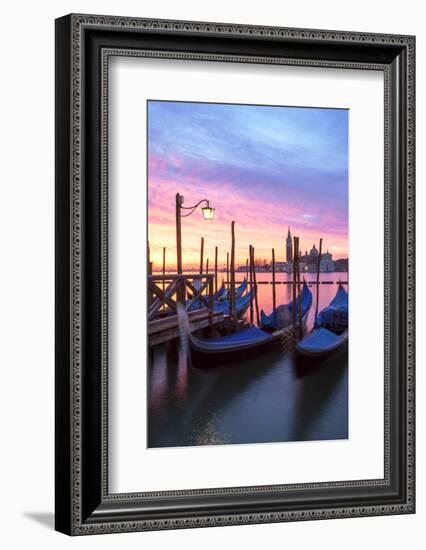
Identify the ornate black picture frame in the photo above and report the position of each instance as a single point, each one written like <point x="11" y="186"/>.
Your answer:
<point x="83" y="45"/>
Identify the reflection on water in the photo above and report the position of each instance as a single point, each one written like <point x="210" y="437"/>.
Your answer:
<point x="259" y="400"/>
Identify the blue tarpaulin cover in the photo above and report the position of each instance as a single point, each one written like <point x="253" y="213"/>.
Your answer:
<point x="239" y="291"/>
<point x="221" y="294"/>
<point x="282" y="316"/>
<point x="319" y="339"/>
<point x="240" y="304"/>
<point x="221" y="300"/>
<point x="335" y="316"/>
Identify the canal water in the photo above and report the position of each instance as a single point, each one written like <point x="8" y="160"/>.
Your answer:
<point x="264" y="399"/>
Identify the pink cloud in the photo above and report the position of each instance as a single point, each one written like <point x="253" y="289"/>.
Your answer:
<point x="258" y="221"/>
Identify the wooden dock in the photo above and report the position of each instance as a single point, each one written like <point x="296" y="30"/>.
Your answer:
<point x="167" y="329"/>
<point x="164" y="294"/>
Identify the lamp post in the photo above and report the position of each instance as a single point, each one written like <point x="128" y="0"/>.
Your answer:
<point x="208" y="213"/>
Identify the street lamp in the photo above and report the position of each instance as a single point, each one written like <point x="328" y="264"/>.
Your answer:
<point x="208" y="214"/>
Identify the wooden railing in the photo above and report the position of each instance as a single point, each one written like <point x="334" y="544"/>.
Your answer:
<point x="166" y="291"/>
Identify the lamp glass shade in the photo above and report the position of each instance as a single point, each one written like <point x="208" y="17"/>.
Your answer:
<point x="208" y="212"/>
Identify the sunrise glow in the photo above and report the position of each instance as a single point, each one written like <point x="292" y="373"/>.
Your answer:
<point x="266" y="168"/>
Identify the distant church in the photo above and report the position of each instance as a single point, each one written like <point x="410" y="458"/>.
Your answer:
<point x="312" y="257"/>
<point x="289" y="247"/>
<point x="309" y="261"/>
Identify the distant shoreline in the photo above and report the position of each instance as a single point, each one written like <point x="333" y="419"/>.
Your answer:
<point x="239" y="272"/>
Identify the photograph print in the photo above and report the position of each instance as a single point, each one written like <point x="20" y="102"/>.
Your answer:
<point x="248" y="273"/>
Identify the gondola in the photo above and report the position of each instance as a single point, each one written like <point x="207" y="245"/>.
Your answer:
<point x="239" y="291"/>
<point x="213" y="352"/>
<point x="221" y="303"/>
<point x="241" y="304"/>
<point x="330" y="332"/>
<point x="223" y="292"/>
<point x="335" y="316"/>
<point x="282" y="315"/>
<point x="322" y="343"/>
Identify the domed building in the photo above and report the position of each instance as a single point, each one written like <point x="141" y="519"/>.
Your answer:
<point x="309" y="262"/>
<point x="314" y="251"/>
<point x="310" y="258"/>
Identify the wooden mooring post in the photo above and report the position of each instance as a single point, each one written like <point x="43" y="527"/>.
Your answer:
<point x="227" y="270"/>
<point x="215" y="268"/>
<point x="150" y="295"/>
<point x="293" y="309"/>
<point x="256" y="302"/>
<point x="202" y="255"/>
<point x="164" y="267"/>
<point x="251" y="285"/>
<point x="318" y="278"/>
<point x="211" y="298"/>
<point x="299" y="293"/>
<point x="233" y="312"/>
<point x="274" y="297"/>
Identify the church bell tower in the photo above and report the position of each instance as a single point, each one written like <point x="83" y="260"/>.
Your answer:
<point x="289" y="247"/>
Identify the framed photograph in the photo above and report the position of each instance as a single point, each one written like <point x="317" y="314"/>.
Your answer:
<point x="234" y="274"/>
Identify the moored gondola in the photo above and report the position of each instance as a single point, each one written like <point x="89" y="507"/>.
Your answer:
<point x="231" y="348"/>
<point x="335" y="316"/>
<point x="221" y="299"/>
<point x="241" y="304"/>
<point x="223" y="292"/>
<point x="282" y="315"/>
<point x="322" y="343"/>
<point x="330" y="333"/>
<point x="239" y="291"/>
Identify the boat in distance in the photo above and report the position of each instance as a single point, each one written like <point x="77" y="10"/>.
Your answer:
<point x="242" y="344"/>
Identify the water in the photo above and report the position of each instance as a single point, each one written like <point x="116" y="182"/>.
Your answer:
<point x="260" y="400"/>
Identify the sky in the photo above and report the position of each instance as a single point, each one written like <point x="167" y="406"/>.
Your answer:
<point x="265" y="167"/>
